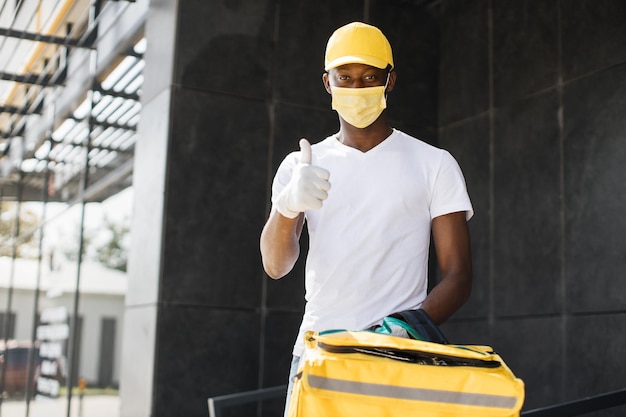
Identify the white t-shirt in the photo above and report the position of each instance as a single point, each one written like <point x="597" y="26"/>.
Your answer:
<point x="369" y="243"/>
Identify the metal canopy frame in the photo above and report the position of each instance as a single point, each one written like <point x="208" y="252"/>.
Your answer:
<point x="85" y="42"/>
<point x="45" y="80"/>
<point x="101" y="140"/>
<point x="22" y="111"/>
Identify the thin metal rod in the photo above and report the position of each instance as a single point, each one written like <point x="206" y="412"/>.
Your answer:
<point x="73" y="359"/>
<point x="33" y="336"/>
<point x="6" y="322"/>
<point x="72" y="355"/>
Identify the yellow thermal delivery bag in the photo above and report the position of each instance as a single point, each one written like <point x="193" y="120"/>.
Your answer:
<point x="365" y="374"/>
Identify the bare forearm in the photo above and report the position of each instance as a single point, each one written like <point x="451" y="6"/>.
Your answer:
<point x="446" y="298"/>
<point x="452" y="243"/>
<point x="280" y="246"/>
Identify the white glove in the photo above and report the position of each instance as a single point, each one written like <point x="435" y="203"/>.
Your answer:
<point x="307" y="188"/>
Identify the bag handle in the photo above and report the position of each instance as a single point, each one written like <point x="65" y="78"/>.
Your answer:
<point x="421" y="322"/>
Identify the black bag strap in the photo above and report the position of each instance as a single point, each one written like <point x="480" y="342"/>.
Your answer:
<point x="421" y="322"/>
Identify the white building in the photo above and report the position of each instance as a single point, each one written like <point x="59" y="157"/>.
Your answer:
<point x="100" y="309"/>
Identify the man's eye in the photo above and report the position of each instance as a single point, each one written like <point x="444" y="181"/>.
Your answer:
<point x="343" y="77"/>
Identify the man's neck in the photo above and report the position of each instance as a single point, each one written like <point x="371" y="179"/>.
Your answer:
<point x="367" y="138"/>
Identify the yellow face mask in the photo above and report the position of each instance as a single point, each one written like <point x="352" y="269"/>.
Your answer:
<point x="359" y="106"/>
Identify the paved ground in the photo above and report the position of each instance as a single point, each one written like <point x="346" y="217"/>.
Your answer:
<point x="92" y="406"/>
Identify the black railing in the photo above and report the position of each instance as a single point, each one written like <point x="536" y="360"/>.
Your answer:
<point x="568" y="409"/>
<point x="216" y="404"/>
<point x="581" y="406"/>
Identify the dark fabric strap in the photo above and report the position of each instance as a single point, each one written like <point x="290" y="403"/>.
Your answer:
<point x="421" y="322"/>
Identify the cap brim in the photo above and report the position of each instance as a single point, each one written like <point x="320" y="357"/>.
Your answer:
<point x="356" y="59"/>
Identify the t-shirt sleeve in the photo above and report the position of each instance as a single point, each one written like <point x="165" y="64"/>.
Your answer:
<point x="450" y="191"/>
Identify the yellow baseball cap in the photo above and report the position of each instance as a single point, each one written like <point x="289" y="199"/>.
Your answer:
<point x="358" y="43"/>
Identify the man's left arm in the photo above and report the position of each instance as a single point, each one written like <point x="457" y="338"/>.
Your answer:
<point x="452" y="245"/>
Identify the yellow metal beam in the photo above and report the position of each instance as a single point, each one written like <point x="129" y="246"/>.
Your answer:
<point x="35" y="56"/>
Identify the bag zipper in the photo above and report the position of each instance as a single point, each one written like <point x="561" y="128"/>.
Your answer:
<point x="411" y="356"/>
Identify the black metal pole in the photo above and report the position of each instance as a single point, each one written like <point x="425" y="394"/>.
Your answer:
<point x="72" y="359"/>
<point x="33" y="336"/>
<point x="6" y="322"/>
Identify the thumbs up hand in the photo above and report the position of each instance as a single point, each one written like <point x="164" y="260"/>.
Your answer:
<point x="308" y="186"/>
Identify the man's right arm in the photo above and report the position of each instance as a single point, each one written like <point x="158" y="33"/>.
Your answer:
<point x="280" y="243"/>
<point x="306" y="190"/>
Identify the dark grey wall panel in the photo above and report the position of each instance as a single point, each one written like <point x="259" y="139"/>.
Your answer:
<point x="217" y="172"/>
<point x="280" y="335"/>
<point x="467" y="332"/>
<point x="594" y="35"/>
<point x="533" y="348"/>
<point x="287" y="293"/>
<point x="594" y="357"/>
<point x="525" y="48"/>
<point x="557" y="196"/>
<point x="595" y="191"/>
<point x="527" y="226"/>
<point x="464" y="60"/>
<point x="225" y="46"/>
<point x="203" y="352"/>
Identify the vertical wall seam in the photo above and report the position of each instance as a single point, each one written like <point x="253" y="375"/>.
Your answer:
<point x="491" y="317"/>
<point x="561" y="145"/>
<point x="271" y="110"/>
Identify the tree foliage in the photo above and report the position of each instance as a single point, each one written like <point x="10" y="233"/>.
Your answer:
<point x="114" y="252"/>
<point x="107" y="245"/>
<point x="28" y="222"/>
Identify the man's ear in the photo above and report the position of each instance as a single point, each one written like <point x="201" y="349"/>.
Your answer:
<point x="392" y="82"/>
<point x="326" y="82"/>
